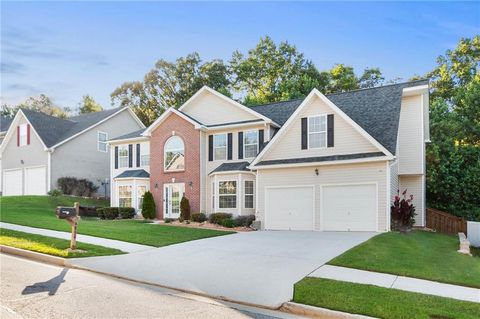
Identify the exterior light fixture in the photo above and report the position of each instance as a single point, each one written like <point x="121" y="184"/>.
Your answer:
<point x="316" y="171"/>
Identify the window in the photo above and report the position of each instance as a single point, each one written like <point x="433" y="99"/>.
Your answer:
<point x="248" y="194"/>
<point x="23" y="134"/>
<point x="144" y="155"/>
<point x="123" y="156"/>
<point x="227" y="194"/>
<point x="317" y="131"/>
<point x="213" y="197"/>
<point x="125" y="196"/>
<point x="250" y="144"/>
<point x="174" y="154"/>
<point x="220" y="147"/>
<point x="140" y="192"/>
<point x="102" y="142"/>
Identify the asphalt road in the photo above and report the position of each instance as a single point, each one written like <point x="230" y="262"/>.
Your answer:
<point x="31" y="289"/>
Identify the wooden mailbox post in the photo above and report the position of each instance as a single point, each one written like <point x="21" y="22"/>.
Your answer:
<point x="71" y="215"/>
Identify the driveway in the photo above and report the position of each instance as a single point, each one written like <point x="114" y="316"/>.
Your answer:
<point x="258" y="268"/>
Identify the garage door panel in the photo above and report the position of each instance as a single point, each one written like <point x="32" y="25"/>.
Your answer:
<point x="35" y="181"/>
<point x="12" y="182"/>
<point x="289" y="208"/>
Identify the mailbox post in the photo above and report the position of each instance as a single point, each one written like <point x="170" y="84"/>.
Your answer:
<point x="70" y="214"/>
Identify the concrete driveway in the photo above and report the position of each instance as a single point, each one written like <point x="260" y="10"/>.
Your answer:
<point x="256" y="267"/>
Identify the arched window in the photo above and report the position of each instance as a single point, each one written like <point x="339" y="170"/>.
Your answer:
<point x="174" y="154"/>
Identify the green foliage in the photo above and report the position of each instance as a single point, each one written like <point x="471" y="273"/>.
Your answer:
<point x="198" y="217"/>
<point x="168" y="220"/>
<point x="126" y="212"/>
<point x="101" y="212"/>
<point x="402" y="212"/>
<point x="79" y="187"/>
<point x="88" y="105"/>
<point x="148" y="206"/>
<point x="41" y="103"/>
<point x="110" y="213"/>
<point x="229" y="222"/>
<point x="245" y="220"/>
<point x="217" y="218"/>
<point x="184" y="209"/>
<point x="54" y="192"/>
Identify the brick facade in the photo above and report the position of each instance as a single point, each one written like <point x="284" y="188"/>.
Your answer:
<point x="178" y="126"/>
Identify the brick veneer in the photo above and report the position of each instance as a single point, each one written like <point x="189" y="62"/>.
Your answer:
<point x="174" y="124"/>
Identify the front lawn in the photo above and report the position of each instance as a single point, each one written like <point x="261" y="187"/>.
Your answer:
<point x="39" y="211"/>
<point x="419" y="254"/>
<point x="380" y="302"/>
<point x="52" y="246"/>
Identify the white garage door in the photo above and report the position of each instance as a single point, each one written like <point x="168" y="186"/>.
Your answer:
<point x="349" y="208"/>
<point x="12" y="182"/>
<point x="35" y="181"/>
<point x="289" y="208"/>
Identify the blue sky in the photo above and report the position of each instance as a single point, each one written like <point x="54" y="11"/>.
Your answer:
<point x="66" y="50"/>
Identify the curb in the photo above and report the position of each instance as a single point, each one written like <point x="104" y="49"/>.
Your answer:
<point x="316" y="312"/>
<point x="59" y="261"/>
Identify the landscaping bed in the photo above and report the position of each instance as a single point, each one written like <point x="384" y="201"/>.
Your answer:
<point x="52" y="246"/>
<point x="207" y="225"/>
<point x="419" y="254"/>
<point x="380" y="302"/>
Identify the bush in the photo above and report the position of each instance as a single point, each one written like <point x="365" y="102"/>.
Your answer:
<point x="110" y="212"/>
<point x="78" y="187"/>
<point x="101" y="212"/>
<point x="216" y="218"/>
<point x="54" y="192"/>
<point x="148" y="206"/>
<point x="168" y="220"/>
<point x="402" y="212"/>
<point x="229" y="222"/>
<point x="184" y="209"/>
<point x="86" y="211"/>
<point x="198" y="217"/>
<point x="126" y="212"/>
<point x="245" y="221"/>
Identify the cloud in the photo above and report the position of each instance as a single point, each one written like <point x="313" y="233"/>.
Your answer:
<point x="11" y="67"/>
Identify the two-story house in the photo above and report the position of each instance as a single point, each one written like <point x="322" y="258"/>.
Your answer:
<point x="38" y="149"/>
<point x="321" y="163"/>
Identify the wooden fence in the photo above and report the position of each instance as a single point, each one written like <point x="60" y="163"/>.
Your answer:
<point x="444" y="222"/>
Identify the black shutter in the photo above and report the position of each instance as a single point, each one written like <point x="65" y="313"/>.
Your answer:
<point x="261" y="139"/>
<point x="330" y="130"/>
<point x="138" y="155"/>
<point x="130" y="155"/>
<point x="210" y="148"/>
<point x="304" y="133"/>
<point x="230" y="148"/>
<point x="116" y="157"/>
<point x="240" y="145"/>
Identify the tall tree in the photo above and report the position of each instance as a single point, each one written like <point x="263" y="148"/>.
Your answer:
<point x="371" y="78"/>
<point x="89" y="105"/>
<point x="41" y="103"/>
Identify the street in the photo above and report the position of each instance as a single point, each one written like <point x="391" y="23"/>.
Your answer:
<point x="31" y="289"/>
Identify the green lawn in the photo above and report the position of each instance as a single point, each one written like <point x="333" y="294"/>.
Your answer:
<point x="418" y="254"/>
<point x="380" y="302"/>
<point x="38" y="211"/>
<point x="51" y="246"/>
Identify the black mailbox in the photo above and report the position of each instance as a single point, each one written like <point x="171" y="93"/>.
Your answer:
<point x="66" y="212"/>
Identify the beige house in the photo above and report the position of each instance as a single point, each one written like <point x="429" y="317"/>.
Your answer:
<point x="326" y="163"/>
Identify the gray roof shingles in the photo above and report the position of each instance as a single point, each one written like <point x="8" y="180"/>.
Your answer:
<point x="135" y="173"/>
<point x="5" y="123"/>
<point x="227" y="167"/>
<point x="320" y="158"/>
<point x="129" y="135"/>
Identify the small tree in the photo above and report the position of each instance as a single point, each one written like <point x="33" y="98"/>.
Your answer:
<point x="403" y="212"/>
<point x="148" y="206"/>
<point x="184" y="209"/>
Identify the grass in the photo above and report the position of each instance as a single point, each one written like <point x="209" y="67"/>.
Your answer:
<point x="39" y="211"/>
<point x="419" y="254"/>
<point x="380" y="302"/>
<point x="51" y="246"/>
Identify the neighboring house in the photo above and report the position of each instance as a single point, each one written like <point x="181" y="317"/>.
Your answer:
<point x="4" y="125"/>
<point x="321" y="163"/>
<point x="38" y="149"/>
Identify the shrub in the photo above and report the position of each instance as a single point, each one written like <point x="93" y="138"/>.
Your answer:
<point x="54" y="192"/>
<point x="184" y="209"/>
<point x="78" y="187"/>
<point x="198" y="217"/>
<point x="245" y="221"/>
<point x="110" y="212"/>
<point x="100" y="212"/>
<point x="402" y="212"/>
<point x="148" y="206"/>
<point x="229" y="222"/>
<point x="86" y="211"/>
<point x="168" y="220"/>
<point x="216" y="218"/>
<point x="126" y="212"/>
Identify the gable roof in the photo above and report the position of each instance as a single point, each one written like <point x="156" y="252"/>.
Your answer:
<point x="5" y="123"/>
<point x="229" y="167"/>
<point x="376" y="110"/>
<point x="135" y="134"/>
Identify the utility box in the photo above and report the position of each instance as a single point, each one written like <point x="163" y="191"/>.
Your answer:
<point x="473" y="233"/>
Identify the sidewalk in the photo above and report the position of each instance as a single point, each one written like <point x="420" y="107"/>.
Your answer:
<point x="117" y="244"/>
<point x="397" y="282"/>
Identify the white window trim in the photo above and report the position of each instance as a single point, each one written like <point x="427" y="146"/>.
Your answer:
<point x="308" y="131"/>
<point x="245" y="194"/>
<point x="23" y="139"/>
<point x="131" y="195"/>
<point x="143" y="153"/>
<point x="220" y="195"/>
<point x="226" y="147"/>
<point x="104" y="142"/>
<point x="165" y="155"/>
<point x="120" y="157"/>
<point x="244" y="144"/>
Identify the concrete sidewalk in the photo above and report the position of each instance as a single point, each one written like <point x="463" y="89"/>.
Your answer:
<point x="117" y="244"/>
<point x="397" y="282"/>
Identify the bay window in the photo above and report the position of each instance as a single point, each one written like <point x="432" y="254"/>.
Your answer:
<point x="227" y="194"/>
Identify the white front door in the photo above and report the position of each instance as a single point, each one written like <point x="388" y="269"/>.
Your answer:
<point x="172" y="195"/>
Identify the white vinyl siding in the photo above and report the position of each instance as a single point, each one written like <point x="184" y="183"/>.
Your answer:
<point x="410" y="132"/>
<point x="220" y="147"/>
<point x="102" y="138"/>
<point x="317" y="131"/>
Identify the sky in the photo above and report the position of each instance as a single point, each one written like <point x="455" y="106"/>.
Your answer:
<point x="68" y="49"/>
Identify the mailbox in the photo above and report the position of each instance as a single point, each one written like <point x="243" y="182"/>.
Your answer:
<point x="66" y="212"/>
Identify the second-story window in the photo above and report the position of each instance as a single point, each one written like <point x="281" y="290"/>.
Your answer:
<point x="144" y="155"/>
<point x="317" y="131"/>
<point x="23" y="135"/>
<point x="250" y="144"/>
<point x="174" y="154"/>
<point x="123" y="156"/>
<point x="220" y="147"/>
<point x="102" y="142"/>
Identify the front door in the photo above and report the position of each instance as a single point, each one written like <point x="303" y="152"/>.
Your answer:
<point x="172" y="194"/>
